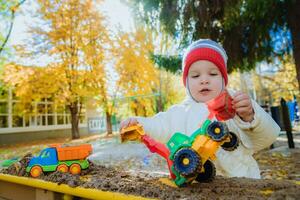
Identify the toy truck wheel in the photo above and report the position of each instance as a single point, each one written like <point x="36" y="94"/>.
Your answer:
<point x="75" y="169"/>
<point x="232" y="144"/>
<point x="217" y="131"/>
<point x="187" y="162"/>
<point x="208" y="174"/>
<point x="36" y="171"/>
<point x="62" y="168"/>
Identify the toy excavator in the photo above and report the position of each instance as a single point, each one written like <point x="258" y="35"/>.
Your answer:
<point x="190" y="158"/>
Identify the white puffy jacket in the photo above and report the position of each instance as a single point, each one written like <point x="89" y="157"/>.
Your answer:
<point x="189" y="116"/>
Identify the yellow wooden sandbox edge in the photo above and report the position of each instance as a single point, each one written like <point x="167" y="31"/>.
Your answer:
<point x="65" y="189"/>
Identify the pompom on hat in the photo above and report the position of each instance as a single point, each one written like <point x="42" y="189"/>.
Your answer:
<point x="205" y="49"/>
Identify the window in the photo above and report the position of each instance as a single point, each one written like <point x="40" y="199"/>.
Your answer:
<point x="3" y="93"/>
<point x="45" y="154"/>
<point x="50" y="113"/>
<point x="17" y="121"/>
<point x="32" y="120"/>
<point x="50" y="120"/>
<point x="3" y="114"/>
<point x="14" y="114"/>
<point x="3" y="107"/>
<point x="17" y="118"/>
<point x="41" y="108"/>
<point x="3" y="121"/>
<point x="26" y="119"/>
<point x="60" y="119"/>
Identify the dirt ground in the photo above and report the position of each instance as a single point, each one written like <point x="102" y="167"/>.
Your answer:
<point x="280" y="170"/>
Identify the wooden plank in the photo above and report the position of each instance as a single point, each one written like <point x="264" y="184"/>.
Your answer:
<point x="14" y="191"/>
<point x="44" y="194"/>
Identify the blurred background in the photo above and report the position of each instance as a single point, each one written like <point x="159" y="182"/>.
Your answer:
<point x="76" y="68"/>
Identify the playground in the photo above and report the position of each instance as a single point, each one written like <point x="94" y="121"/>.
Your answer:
<point x="142" y="173"/>
<point x="139" y="99"/>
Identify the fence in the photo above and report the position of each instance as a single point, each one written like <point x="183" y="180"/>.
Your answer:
<point x="282" y="116"/>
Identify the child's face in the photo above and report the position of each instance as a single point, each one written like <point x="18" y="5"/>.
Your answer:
<point x="205" y="81"/>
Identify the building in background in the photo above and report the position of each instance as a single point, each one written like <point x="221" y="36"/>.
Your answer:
<point x="43" y="121"/>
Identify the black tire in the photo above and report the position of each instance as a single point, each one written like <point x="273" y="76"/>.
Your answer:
<point x="191" y="168"/>
<point x="218" y="131"/>
<point x="232" y="144"/>
<point x="208" y="174"/>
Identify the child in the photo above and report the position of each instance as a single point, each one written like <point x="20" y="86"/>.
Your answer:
<point x="205" y="77"/>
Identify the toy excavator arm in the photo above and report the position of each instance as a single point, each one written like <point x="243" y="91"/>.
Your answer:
<point x="132" y="133"/>
<point x="159" y="148"/>
<point x="136" y="133"/>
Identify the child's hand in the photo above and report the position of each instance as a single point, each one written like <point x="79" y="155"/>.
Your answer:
<point x="128" y="122"/>
<point x="243" y="106"/>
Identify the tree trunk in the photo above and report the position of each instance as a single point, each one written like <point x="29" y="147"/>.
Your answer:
<point x="294" y="25"/>
<point x="135" y="109"/>
<point x="144" y="110"/>
<point x="108" y="123"/>
<point x="74" y="120"/>
<point x="159" y="103"/>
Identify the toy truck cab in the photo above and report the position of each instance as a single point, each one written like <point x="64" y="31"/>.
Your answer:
<point x="47" y="156"/>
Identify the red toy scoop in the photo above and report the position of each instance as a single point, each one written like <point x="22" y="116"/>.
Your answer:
<point x="221" y="107"/>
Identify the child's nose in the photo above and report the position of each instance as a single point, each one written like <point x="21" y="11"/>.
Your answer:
<point x="203" y="81"/>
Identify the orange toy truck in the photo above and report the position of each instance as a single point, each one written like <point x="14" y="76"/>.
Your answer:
<point x="60" y="158"/>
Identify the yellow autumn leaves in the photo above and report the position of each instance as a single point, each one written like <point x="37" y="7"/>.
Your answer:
<point x="137" y="74"/>
<point x="86" y="60"/>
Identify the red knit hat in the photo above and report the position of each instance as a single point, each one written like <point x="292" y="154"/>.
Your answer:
<point x="205" y="50"/>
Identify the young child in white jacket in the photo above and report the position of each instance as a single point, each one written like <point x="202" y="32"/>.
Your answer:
<point x="204" y="69"/>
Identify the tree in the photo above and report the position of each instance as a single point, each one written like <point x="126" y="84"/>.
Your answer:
<point x="282" y="84"/>
<point x="8" y="8"/>
<point x="73" y="38"/>
<point x="172" y="91"/>
<point x="243" y="27"/>
<point x="137" y="74"/>
<point x="32" y="83"/>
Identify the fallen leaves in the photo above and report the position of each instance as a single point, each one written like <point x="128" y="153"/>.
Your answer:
<point x="267" y="192"/>
<point x="279" y="164"/>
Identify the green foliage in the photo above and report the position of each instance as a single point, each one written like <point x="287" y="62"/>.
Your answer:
<point x="243" y="27"/>
<point x="4" y="14"/>
<point x="4" y="7"/>
<point x="247" y="26"/>
<point x="169" y="63"/>
<point x="8" y="11"/>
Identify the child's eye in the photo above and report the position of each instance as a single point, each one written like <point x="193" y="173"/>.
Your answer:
<point x="195" y="76"/>
<point x="213" y="74"/>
